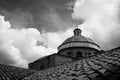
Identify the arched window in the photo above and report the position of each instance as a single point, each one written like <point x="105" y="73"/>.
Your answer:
<point x="79" y="54"/>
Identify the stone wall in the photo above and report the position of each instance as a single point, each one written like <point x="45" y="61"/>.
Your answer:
<point x="59" y="60"/>
<point x="40" y="64"/>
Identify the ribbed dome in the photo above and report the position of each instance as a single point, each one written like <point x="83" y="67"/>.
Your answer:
<point x="78" y="41"/>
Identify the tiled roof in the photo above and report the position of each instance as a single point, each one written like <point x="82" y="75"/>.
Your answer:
<point x="13" y="73"/>
<point x="105" y="66"/>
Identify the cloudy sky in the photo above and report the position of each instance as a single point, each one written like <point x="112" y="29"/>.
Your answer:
<point x="30" y="29"/>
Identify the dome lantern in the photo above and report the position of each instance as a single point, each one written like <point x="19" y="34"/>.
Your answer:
<point x="77" y="32"/>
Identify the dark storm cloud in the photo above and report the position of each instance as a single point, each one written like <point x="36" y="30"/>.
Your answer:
<point x="50" y="15"/>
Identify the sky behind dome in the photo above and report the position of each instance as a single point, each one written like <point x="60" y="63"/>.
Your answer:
<point x="51" y="15"/>
<point x="30" y="29"/>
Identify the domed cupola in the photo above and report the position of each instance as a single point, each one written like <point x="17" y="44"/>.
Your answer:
<point x="78" y="42"/>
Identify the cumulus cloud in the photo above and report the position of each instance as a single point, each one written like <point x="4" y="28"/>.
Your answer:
<point x="18" y="47"/>
<point x="101" y="21"/>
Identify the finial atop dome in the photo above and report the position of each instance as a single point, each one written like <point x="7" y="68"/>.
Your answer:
<point x="77" y="32"/>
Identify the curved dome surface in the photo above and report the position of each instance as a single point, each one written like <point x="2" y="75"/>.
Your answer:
<point x="78" y="41"/>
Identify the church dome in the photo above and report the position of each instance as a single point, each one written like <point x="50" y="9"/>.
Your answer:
<point x="78" y="41"/>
